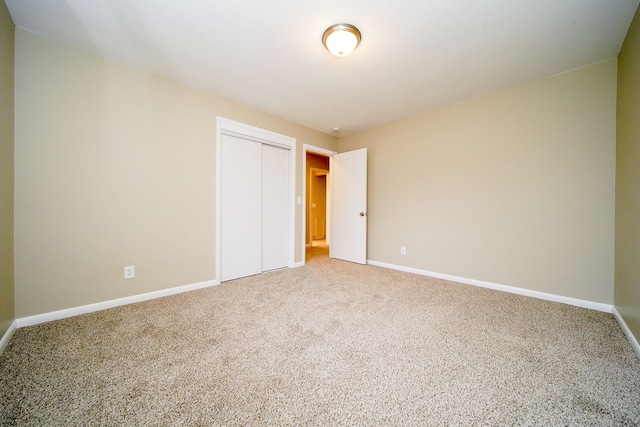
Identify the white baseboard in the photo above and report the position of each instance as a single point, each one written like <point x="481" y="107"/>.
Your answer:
<point x="298" y="264"/>
<point x="75" y="311"/>
<point x="607" y="308"/>
<point x="632" y="339"/>
<point x="4" y="342"/>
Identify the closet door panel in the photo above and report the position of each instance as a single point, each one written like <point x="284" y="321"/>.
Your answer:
<point x="275" y="207"/>
<point x="241" y="200"/>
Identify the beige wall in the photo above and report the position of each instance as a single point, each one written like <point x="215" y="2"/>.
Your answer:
<point x="6" y="169"/>
<point x="515" y="187"/>
<point x="627" y="252"/>
<point x="115" y="166"/>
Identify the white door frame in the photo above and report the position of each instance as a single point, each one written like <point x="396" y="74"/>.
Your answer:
<point x="303" y="234"/>
<point x="264" y="136"/>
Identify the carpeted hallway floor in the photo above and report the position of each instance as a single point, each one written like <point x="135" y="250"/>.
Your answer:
<point x="332" y="343"/>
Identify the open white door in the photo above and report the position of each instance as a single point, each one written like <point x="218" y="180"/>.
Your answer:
<point x="349" y="218"/>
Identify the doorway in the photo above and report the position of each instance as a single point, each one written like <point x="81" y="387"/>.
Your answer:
<point x="317" y="201"/>
<point x="318" y="206"/>
<point x="346" y="201"/>
<point x="318" y="176"/>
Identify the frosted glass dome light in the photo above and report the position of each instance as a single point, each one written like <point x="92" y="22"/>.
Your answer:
<point x="341" y="39"/>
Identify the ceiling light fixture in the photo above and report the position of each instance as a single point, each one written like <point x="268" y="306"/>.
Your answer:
<point x="341" y="39"/>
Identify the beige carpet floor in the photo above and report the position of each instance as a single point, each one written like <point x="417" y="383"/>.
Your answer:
<point x="332" y="343"/>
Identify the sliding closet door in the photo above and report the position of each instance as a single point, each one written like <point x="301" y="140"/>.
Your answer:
<point x="254" y="207"/>
<point x="241" y="204"/>
<point x="275" y="207"/>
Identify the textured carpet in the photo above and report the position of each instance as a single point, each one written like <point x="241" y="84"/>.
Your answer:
<point x="332" y="343"/>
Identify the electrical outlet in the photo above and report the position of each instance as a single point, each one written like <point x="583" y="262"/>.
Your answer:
<point x="403" y="250"/>
<point x="129" y="272"/>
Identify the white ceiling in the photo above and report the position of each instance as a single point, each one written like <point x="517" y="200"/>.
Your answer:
<point x="414" y="55"/>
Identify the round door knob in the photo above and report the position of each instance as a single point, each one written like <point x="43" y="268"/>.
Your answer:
<point x="362" y="214"/>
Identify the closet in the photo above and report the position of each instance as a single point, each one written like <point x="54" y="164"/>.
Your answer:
<point x="254" y="205"/>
